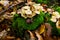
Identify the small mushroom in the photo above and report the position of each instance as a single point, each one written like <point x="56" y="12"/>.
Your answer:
<point x="38" y="8"/>
<point x="55" y="16"/>
<point x="26" y="12"/>
<point x="53" y="19"/>
<point x="58" y="23"/>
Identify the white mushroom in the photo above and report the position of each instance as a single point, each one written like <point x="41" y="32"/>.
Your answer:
<point x="38" y="8"/>
<point x="31" y="11"/>
<point x="26" y="12"/>
<point x="58" y="24"/>
<point x="53" y="19"/>
<point x="55" y="16"/>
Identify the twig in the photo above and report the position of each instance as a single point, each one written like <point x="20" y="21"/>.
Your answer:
<point x="21" y="4"/>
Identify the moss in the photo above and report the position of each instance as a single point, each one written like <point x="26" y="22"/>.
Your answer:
<point x="57" y="9"/>
<point x="58" y="31"/>
<point x="19" y="23"/>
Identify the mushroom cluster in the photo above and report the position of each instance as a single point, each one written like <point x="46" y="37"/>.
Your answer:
<point x="31" y="11"/>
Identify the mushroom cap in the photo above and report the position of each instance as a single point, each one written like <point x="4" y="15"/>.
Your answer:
<point x="58" y="24"/>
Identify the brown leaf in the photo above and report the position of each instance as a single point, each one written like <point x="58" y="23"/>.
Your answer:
<point x="38" y="36"/>
<point x="29" y="0"/>
<point x="47" y="33"/>
<point x="32" y="36"/>
<point x="48" y="27"/>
